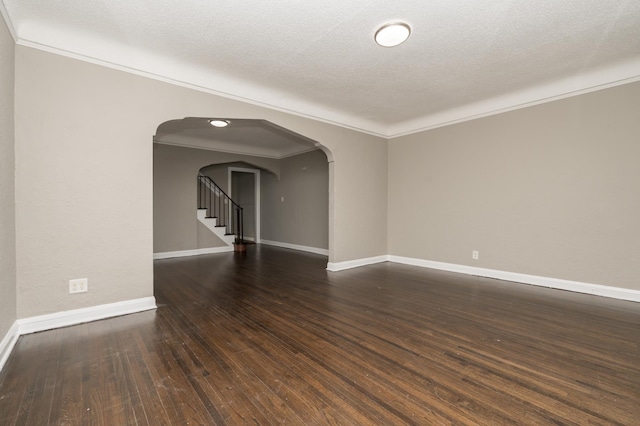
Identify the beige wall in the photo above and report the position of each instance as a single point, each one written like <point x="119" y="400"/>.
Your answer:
<point x="303" y="217"/>
<point x="220" y="172"/>
<point x="175" y="169"/>
<point x="220" y="175"/>
<point x="552" y="190"/>
<point x="84" y="137"/>
<point x="205" y="238"/>
<point x="243" y="191"/>
<point x="358" y="181"/>
<point x="7" y="194"/>
<point x="549" y="190"/>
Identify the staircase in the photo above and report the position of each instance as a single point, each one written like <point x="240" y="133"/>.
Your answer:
<point x="220" y="214"/>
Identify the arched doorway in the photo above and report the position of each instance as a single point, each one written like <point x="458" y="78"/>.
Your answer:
<point x="244" y="188"/>
<point x="286" y="212"/>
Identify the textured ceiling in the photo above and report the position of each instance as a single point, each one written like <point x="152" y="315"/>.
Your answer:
<point x="464" y="59"/>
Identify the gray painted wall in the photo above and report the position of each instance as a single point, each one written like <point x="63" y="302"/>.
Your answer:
<point x="243" y="192"/>
<point x="7" y="183"/>
<point x="77" y="119"/>
<point x="303" y="217"/>
<point x="175" y="226"/>
<point x="551" y="190"/>
<point x="219" y="173"/>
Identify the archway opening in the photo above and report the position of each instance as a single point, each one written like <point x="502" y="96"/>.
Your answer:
<point x="282" y="178"/>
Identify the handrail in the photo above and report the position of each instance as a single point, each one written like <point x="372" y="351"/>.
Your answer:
<point x="213" y="198"/>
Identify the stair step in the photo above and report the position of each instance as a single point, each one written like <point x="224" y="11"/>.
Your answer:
<point x="220" y="230"/>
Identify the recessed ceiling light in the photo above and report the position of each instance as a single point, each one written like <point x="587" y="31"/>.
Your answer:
<point x="219" y="123"/>
<point x="392" y="34"/>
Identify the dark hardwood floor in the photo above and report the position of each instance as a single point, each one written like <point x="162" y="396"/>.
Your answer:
<point x="270" y="337"/>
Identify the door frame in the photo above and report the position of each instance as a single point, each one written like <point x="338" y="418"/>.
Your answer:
<point x="256" y="192"/>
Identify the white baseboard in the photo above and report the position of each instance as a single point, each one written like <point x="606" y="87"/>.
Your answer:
<point x="341" y="266"/>
<point x="67" y="318"/>
<point x="196" y="252"/>
<point x="556" y="283"/>
<point x="79" y="316"/>
<point x="315" y="250"/>
<point x="575" y="286"/>
<point x="7" y="344"/>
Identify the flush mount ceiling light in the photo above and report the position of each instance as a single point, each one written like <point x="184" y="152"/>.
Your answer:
<point x="392" y="34"/>
<point x="219" y="123"/>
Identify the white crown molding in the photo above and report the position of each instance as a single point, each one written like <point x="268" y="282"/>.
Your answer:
<point x="79" y="316"/>
<point x="250" y="94"/>
<point x="293" y="154"/>
<point x="316" y="250"/>
<point x="248" y="152"/>
<point x="187" y="253"/>
<point x="193" y="78"/>
<point x="7" y="20"/>
<point x="209" y="147"/>
<point x="612" y="76"/>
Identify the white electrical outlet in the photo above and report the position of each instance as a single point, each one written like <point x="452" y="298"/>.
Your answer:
<point x="475" y="254"/>
<point x="79" y="285"/>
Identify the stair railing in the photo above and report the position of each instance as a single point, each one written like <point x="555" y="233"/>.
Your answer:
<point x="220" y="206"/>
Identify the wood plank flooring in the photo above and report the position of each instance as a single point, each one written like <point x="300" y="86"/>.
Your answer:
<point x="270" y="337"/>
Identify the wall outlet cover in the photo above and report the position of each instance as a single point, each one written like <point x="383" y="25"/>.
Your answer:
<point x="79" y="285"/>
